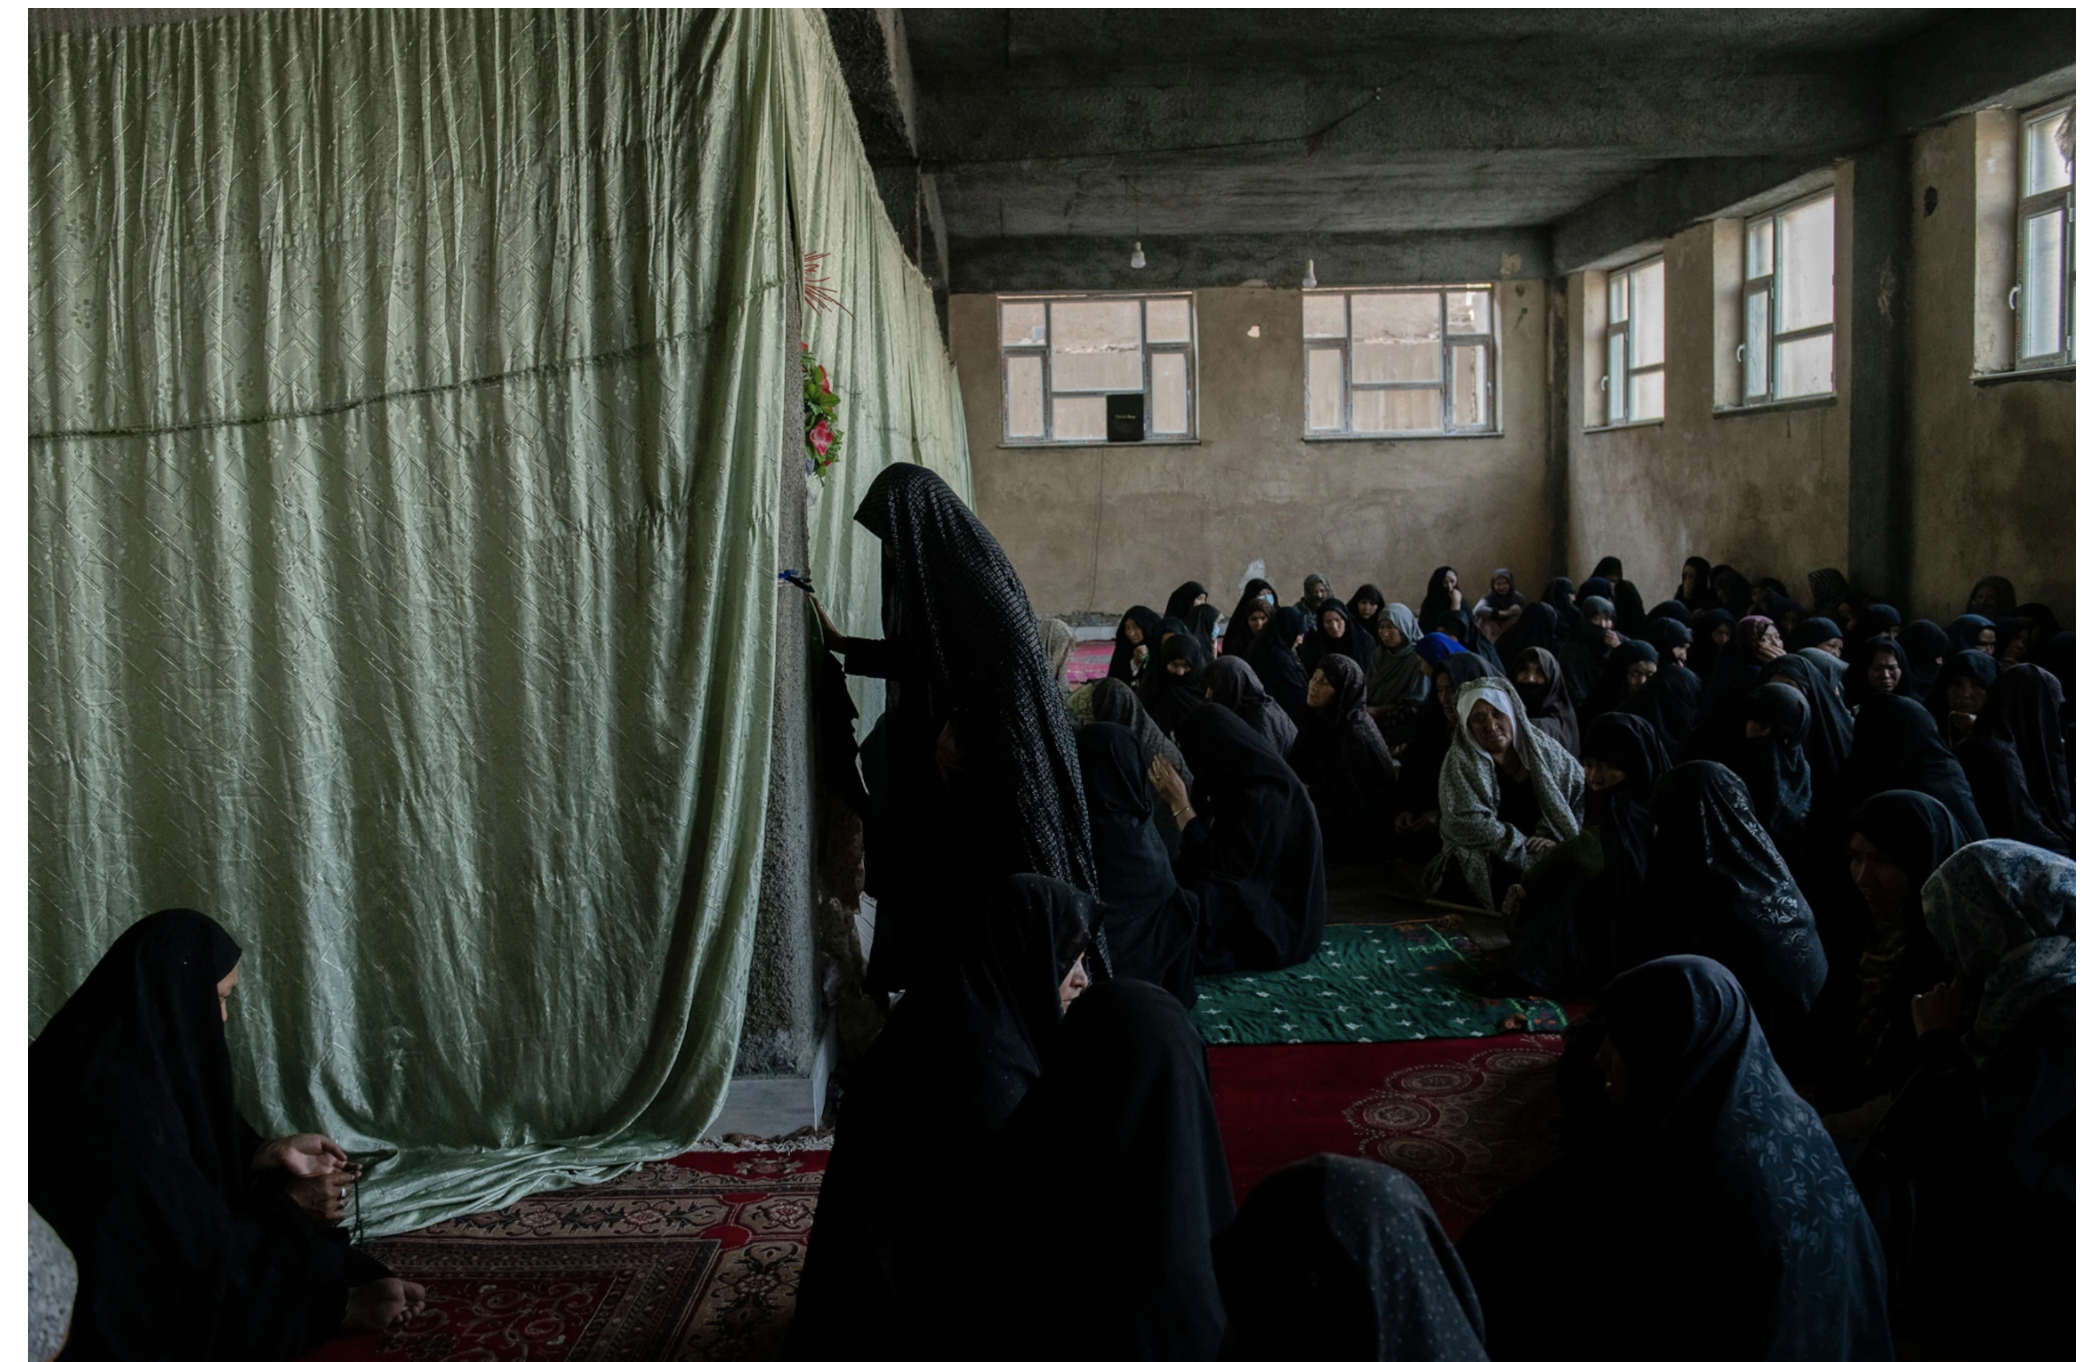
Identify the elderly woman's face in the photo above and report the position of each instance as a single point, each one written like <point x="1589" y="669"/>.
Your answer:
<point x="1333" y="625"/>
<point x="1883" y="674"/>
<point x="1965" y="695"/>
<point x="1318" y="693"/>
<point x="1834" y="646"/>
<point x="1489" y="727"/>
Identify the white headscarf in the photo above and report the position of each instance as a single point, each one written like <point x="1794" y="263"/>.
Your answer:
<point x="1469" y="797"/>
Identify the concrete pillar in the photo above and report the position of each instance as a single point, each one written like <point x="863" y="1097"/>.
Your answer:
<point x="1878" y="534"/>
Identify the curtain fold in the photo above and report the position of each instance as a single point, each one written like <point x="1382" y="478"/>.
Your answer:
<point x="405" y="428"/>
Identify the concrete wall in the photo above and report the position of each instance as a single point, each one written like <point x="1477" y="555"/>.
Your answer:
<point x="1765" y="491"/>
<point x="1102" y="527"/>
<point x="1994" y="465"/>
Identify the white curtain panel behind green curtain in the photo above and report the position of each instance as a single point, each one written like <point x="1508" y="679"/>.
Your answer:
<point x="405" y="425"/>
<point x="899" y="398"/>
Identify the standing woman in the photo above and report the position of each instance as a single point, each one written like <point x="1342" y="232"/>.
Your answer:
<point x="1498" y="611"/>
<point x="1137" y="644"/>
<point x="1343" y="761"/>
<point x="2018" y="764"/>
<point x="980" y="753"/>
<point x="176" y="1210"/>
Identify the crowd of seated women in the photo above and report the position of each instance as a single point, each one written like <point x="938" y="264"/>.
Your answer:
<point x="1822" y="1100"/>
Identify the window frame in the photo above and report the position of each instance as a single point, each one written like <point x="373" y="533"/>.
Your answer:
<point x="1042" y="352"/>
<point x="2063" y="201"/>
<point x="1627" y="333"/>
<point x="1767" y="285"/>
<point x="1344" y="344"/>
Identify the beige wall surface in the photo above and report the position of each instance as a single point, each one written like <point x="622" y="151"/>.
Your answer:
<point x="1763" y="491"/>
<point x="1994" y="466"/>
<point x="1103" y="527"/>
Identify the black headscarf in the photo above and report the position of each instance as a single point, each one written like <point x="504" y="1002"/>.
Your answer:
<point x="1367" y="592"/>
<point x="1168" y="697"/>
<point x="1560" y="594"/>
<point x="1743" y="1204"/>
<point x="1613" y="688"/>
<point x="1966" y="632"/>
<point x="1343" y="761"/>
<point x="1775" y="769"/>
<point x="1666" y="634"/>
<point x="1436" y="601"/>
<point x="1705" y="652"/>
<point x="1182" y="604"/>
<point x="1234" y="685"/>
<point x="2017" y="764"/>
<point x="1255" y="866"/>
<point x="1827" y="740"/>
<point x="1537" y="627"/>
<point x="964" y="649"/>
<point x="1719" y="888"/>
<point x="1550" y="707"/>
<point x="1337" y="1258"/>
<point x="1626" y="827"/>
<point x="1927" y="647"/>
<point x="1149" y="918"/>
<point x="1429" y="739"/>
<point x="1276" y="661"/>
<point x="1672" y="609"/>
<point x="1701" y="596"/>
<point x="1632" y="614"/>
<point x="1123" y="1117"/>
<point x="1459" y="624"/>
<point x="1896" y="746"/>
<point x="2005" y="600"/>
<point x="1122" y="662"/>
<point x="1238" y="636"/>
<point x="1670" y="704"/>
<point x="1731" y="590"/>
<point x="1859" y="690"/>
<point x="1206" y="627"/>
<point x="1915" y="833"/>
<point x="140" y="1160"/>
<point x="1357" y="643"/>
<point x="1608" y="568"/>
<point x="1600" y="587"/>
<point x="1813" y="631"/>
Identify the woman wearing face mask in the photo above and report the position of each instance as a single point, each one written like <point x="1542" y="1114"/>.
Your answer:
<point x="1544" y="689"/>
<point x="1507" y="795"/>
<point x="1586" y="655"/>
<point x="1208" y="627"/>
<point x="1498" y="611"/>
<point x="1257" y="595"/>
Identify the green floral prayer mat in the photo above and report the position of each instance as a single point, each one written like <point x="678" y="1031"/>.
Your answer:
<point x="1408" y="981"/>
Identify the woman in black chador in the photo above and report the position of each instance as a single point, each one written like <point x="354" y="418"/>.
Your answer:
<point x="196" y="1237"/>
<point x="983" y="779"/>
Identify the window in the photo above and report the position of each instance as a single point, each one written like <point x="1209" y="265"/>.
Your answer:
<point x="1789" y="344"/>
<point x="2041" y="299"/>
<point x="1063" y="358"/>
<point x="1400" y="362"/>
<point x="1633" y="344"/>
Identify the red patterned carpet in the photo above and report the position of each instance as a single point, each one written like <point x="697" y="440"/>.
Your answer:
<point x="1465" y="1118"/>
<point x="676" y="1262"/>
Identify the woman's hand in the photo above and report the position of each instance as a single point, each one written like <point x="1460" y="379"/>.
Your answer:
<point x="1939" y="1009"/>
<point x="1612" y="639"/>
<point x="1539" y="846"/>
<point x="834" y="641"/>
<point x="1168" y="782"/>
<point x="1513" y="901"/>
<point x="1770" y="646"/>
<point x="378" y="1305"/>
<point x="302" y="1156"/>
<point x="325" y="1197"/>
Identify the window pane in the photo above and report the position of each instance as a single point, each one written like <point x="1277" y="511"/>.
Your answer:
<point x="1647" y="397"/>
<point x="1323" y="314"/>
<point x="1020" y="323"/>
<point x="1648" y="315"/>
<point x="2041" y="299"/>
<point x="1471" y="314"/>
<point x="1757" y="243"/>
<point x="1471" y="374"/>
<point x="1397" y="338"/>
<point x="1802" y="367"/>
<point x="1166" y="319"/>
<point x="1618" y="299"/>
<point x="1095" y="345"/>
<point x="1807" y="255"/>
<point x="2046" y="167"/>
<point x="1080" y="418"/>
<point x="1323" y="390"/>
<point x="1387" y="411"/>
<point x="1170" y="393"/>
<point x="1615" y="374"/>
<point x="1755" y="342"/>
<point x="1024" y="397"/>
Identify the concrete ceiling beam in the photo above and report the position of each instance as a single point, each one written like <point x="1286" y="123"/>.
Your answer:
<point x="875" y="59"/>
<point x="1646" y="210"/>
<point x="1978" y="59"/>
<point x="1072" y="263"/>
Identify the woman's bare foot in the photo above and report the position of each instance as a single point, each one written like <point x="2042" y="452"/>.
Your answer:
<point x="380" y="1305"/>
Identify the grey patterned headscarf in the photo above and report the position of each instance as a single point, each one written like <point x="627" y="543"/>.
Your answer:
<point x="53" y="1277"/>
<point x="1469" y="800"/>
<point x="1058" y="642"/>
<point x="2004" y="913"/>
<point x="1396" y="674"/>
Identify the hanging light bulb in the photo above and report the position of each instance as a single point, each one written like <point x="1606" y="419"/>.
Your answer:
<point x="1309" y="281"/>
<point x="1137" y="256"/>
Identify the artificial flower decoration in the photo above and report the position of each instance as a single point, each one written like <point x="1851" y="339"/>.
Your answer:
<point x="820" y="412"/>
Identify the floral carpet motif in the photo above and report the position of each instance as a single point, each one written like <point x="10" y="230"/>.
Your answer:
<point x="675" y="1262"/>
<point x="1467" y="1127"/>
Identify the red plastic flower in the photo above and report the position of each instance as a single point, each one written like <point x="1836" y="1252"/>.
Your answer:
<point x="823" y="378"/>
<point x="820" y="438"/>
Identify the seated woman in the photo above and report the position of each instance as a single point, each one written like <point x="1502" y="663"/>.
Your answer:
<point x="1149" y="919"/>
<point x="1344" y="764"/>
<point x="1670" y="703"/>
<point x="1232" y="683"/>
<point x="1826" y="739"/>
<point x="1725" y="693"/>
<point x="1257" y="597"/>
<point x="1897" y="840"/>
<point x="1343" y="1259"/>
<point x="1498" y="611"/>
<point x="1116" y="703"/>
<point x="195" y="1237"/>
<point x="1367" y="604"/>
<point x="1972" y="1171"/>
<point x="1121" y="1117"/>
<point x="1926" y="647"/>
<point x="1397" y="684"/>
<point x="1671" y="639"/>
<point x="1817" y="632"/>
<point x="1583" y="656"/>
<point x="1250" y="847"/>
<point x="1717" y="887"/>
<point x="1336" y="630"/>
<point x="1713" y="629"/>
<point x="1183" y="603"/>
<point x="1896" y="746"/>
<point x="1208" y="626"/>
<point x="1959" y="692"/>
<point x="1775" y="769"/>
<point x="1882" y="669"/>
<point x="1421" y="757"/>
<point x="1508" y="794"/>
<point x="2018" y="764"/>
<point x="968" y="1041"/>
<point x="1173" y="682"/>
<point x="1721" y="1195"/>
<point x="1544" y="689"/>
<point x="1627" y="672"/>
<point x="1137" y="641"/>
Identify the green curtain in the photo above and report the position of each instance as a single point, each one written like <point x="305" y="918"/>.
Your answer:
<point x="406" y="417"/>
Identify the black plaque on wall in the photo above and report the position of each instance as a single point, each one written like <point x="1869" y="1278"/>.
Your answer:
<point x="1126" y="417"/>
